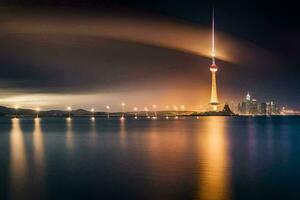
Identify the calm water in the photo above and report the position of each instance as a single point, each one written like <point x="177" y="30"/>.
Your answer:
<point x="212" y="158"/>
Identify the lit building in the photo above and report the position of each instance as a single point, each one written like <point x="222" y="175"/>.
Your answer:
<point x="263" y="108"/>
<point x="253" y="107"/>
<point x="274" y="110"/>
<point x="250" y="106"/>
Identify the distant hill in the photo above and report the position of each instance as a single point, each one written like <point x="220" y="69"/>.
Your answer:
<point x="81" y="112"/>
<point x="5" y="111"/>
<point x="10" y="112"/>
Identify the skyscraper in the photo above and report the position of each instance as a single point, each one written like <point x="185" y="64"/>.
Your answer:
<point x="213" y="68"/>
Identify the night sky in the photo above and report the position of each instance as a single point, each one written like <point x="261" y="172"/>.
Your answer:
<point x="93" y="53"/>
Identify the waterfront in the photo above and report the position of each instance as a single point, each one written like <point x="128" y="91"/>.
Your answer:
<point x="206" y="158"/>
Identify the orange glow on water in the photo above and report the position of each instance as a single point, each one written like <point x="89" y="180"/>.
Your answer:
<point x="69" y="134"/>
<point x="39" y="155"/>
<point x="214" y="181"/>
<point x="38" y="142"/>
<point x="18" y="161"/>
<point x="123" y="133"/>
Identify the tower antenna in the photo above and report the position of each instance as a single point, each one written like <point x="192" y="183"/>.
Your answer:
<point x="213" y="37"/>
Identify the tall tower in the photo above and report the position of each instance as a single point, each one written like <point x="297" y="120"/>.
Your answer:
<point x="213" y="68"/>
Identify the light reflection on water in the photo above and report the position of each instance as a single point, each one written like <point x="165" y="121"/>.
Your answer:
<point x="166" y="158"/>
<point x="210" y="158"/>
<point x="18" y="161"/>
<point x="69" y="134"/>
<point x="123" y="133"/>
<point x="93" y="133"/>
<point x="214" y="179"/>
<point x="39" y="160"/>
<point x="38" y="142"/>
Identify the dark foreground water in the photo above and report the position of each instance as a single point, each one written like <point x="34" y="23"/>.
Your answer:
<point x="212" y="158"/>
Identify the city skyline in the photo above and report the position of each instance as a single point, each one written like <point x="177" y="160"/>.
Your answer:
<point x="48" y="63"/>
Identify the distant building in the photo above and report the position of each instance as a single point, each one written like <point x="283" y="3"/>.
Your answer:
<point x="250" y="106"/>
<point x="274" y="109"/>
<point x="263" y="108"/>
<point x="253" y="107"/>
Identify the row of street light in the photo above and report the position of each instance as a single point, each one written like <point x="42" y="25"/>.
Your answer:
<point x="135" y="109"/>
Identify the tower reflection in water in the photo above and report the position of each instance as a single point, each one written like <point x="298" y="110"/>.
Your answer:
<point x="18" y="162"/>
<point x="214" y="162"/>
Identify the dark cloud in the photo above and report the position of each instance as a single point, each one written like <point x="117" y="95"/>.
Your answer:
<point x="105" y="66"/>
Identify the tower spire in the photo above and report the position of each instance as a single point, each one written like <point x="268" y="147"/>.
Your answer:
<point x="213" y="37"/>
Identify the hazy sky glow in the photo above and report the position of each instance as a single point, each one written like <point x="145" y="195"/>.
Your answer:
<point x="53" y="58"/>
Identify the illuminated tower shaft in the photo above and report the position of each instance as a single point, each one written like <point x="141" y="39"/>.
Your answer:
<point x="214" y="95"/>
<point x="213" y="68"/>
